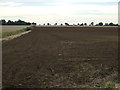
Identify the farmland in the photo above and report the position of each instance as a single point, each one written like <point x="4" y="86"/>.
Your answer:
<point x="8" y="32"/>
<point x="62" y="57"/>
<point x="13" y="27"/>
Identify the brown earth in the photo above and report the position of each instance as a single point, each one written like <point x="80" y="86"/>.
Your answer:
<point x="67" y="57"/>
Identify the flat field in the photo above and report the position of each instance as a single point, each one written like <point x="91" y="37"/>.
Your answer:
<point x="67" y="57"/>
<point x="13" y="27"/>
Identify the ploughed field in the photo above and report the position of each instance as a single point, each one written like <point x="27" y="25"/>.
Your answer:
<point x="69" y="57"/>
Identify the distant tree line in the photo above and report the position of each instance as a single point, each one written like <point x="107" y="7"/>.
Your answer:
<point x="19" y="22"/>
<point x="92" y="24"/>
<point x="106" y="24"/>
<point x="85" y="24"/>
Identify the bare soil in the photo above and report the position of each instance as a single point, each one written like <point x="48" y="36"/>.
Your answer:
<point x="61" y="57"/>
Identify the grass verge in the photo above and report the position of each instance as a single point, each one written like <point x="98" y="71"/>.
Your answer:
<point x="6" y="34"/>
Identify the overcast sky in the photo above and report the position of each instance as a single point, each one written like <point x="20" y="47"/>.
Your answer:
<point x="60" y="11"/>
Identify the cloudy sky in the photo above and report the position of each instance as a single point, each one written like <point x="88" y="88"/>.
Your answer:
<point x="60" y="11"/>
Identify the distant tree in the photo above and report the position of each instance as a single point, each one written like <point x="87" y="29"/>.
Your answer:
<point x="34" y="24"/>
<point x="48" y="24"/>
<point x="81" y="24"/>
<point x="111" y="24"/>
<point x="15" y="23"/>
<point x="116" y="25"/>
<point x="85" y="24"/>
<point x="92" y="24"/>
<point x="66" y="24"/>
<point x="19" y="22"/>
<point x="55" y="24"/>
<point x="10" y="22"/>
<point x="28" y="23"/>
<point x="3" y="22"/>
<point x="61" y="24"/>
<point x="100" y="24"/>
<point x="78" y="24"/>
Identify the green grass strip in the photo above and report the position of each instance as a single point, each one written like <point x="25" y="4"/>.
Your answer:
<point x="10" y="33"/>
<point x="6" y="34"/>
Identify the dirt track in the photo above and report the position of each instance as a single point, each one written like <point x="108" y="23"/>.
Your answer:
<point x="61" y="57"/>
